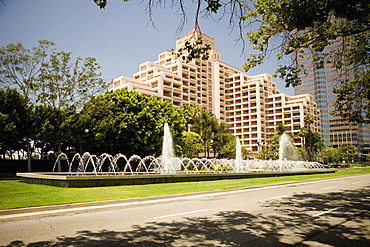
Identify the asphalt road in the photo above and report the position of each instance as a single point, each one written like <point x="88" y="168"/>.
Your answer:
<point x="332" y="212"/>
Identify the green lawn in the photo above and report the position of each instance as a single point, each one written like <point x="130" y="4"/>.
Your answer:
<point x="15" y="194"/>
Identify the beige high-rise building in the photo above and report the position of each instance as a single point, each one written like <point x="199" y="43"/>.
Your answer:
<point x="252" y="105"/>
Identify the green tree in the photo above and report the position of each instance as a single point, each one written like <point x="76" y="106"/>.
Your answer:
<point x="189" y="113"/>
<point x="43" y="75"/>
<point x="286" y="27"/>
<point x="47" y="129"/>
<point x="318" y="145"/>
<point x="64" y="84"/>
<point x="220" y="143"/>
<point x="312" y="140"/>
<point x="308" y="137"/>
<point x="206" y="124"/>
<point x="46" y="125"/>
<point x="280" y="129"/>
<point x="122" y="121"/>
<point x="353" y="101"/>
<point x="13" y="118"/>
<point x="191" y="144"/>
<point x="228" y="150"/>
<point x="302" y="153"/>
<point x="221" y="138"/>
<point x="214" y="133"/>
<point x="19" y="68"/>
<point x="76" y="128"/>
<point x="368" y="158"/>
<point x="329" y="155"/>
<point x="347" y="151"/>
<point x="270" y="150"/>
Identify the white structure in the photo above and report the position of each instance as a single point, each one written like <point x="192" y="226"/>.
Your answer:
<point x="252" y="105"/>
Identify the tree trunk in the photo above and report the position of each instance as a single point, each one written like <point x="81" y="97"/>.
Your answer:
<point x="58" y="153"/>
<point x="29" y="155"/>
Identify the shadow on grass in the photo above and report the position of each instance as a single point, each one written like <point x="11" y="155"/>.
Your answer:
<point x="288" y="221"/>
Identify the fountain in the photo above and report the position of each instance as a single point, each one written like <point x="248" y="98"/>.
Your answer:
<point x="168" y="163"/>
<point x="288" y="156"/>
<point x="92" y="170"/>
<point x="287" y="150"/>
<point x="238" y="156"/>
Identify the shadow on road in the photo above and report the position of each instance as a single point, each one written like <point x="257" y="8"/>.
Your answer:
<point x="288" y="221"/>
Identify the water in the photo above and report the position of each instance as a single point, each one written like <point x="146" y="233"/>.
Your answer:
<point x="288" y="154"/>
<point x="122" y="165"/>
<point x="169" y="164"/>
<point x="167" y="150"/>
<point x="238" y="156"/>
<point x="287" y="149"/>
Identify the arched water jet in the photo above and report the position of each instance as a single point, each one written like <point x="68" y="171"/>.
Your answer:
<point x="76" y="156"/>
<point x="85" y="160"/>
<point x="101" y="161"/>
<point x="169" y="164"/>
<point x="120" y="164"/>
<point x="58" y="160"/>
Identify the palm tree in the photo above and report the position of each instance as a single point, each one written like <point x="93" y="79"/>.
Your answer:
<point x="221" y="138"/>
<point x="190" y="112"/>
<point x="312" y="140"/>
<point x="205" y="124"/>
<point x="280" y="129"/>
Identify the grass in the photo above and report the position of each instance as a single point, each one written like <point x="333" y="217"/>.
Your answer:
<point x="15" y="194"/>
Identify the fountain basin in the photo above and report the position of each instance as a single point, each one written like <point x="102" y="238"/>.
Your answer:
<point x="89" y="179"/>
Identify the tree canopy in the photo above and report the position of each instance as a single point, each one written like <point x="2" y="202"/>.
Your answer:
<point x="44" y="75"/>
<point x="312" y="140"/>
<point x="126" y="122"/>
<point x="64" y="84"/>
<point x="13" y="119"/>
<point x="191" y="144"/>
<point x="20" y="67"/>
<point x="287" y="27"/>
<point x="47" y="127"/>
<point x="329" y="155"/>
<point x="213" y="133"/>
<point x="347" y="151"/>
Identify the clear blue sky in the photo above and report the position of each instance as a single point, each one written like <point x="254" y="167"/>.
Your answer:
<point x="118" y="37"/>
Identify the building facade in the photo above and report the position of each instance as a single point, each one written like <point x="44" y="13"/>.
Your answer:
<point x="252" y="105"/>
<point x="320" y="83"/>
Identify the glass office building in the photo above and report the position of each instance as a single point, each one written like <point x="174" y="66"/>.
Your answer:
<point x="320" y="83"/>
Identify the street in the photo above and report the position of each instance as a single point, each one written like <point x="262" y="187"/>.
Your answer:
<point x="331" y="212"/>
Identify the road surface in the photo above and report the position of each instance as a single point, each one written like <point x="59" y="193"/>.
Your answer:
<point x="331" y="212"/>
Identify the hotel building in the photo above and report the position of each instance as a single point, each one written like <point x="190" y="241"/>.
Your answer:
<point x="252" y="105"/>
<point x="320" y="83"/>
